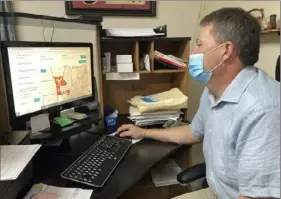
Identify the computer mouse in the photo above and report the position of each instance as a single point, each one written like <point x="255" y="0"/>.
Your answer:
<point x="126" y="137"/>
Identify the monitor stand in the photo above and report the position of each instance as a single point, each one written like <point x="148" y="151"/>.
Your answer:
<point x="77" y="127"/>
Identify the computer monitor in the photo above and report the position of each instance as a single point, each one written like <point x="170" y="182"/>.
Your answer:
<point x="42" y="75"/>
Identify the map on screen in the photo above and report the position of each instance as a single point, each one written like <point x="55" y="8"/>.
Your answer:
<point x="45" y="77"/>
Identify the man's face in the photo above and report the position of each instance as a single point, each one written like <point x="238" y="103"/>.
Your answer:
<point x="206" y="42"/>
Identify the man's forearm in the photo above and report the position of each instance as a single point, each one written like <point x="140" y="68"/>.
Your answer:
<point x="179" y="135"/>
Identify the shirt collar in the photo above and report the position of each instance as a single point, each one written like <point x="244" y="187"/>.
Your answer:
<point x="236" y="88"/>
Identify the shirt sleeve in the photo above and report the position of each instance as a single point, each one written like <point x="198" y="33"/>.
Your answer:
<point x="258" y="154"/>
<point x="197" y="124"/>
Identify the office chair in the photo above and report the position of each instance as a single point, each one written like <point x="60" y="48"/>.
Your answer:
<point x="277" y="69"/>
<point x="193" y="173"/>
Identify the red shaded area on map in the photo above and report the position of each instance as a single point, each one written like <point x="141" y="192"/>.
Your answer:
<point x="60" y="82"/>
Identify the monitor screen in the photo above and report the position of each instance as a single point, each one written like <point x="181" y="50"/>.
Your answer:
<point x="43" y="77"/>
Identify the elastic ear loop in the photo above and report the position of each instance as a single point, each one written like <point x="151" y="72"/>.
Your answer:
<point x="220" y="62"/>
<point x="216" y="67"/>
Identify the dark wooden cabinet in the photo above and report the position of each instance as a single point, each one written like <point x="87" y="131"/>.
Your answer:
<point x="11" y="189"/>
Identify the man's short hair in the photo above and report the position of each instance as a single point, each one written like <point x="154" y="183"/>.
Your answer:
<point x="239" y="27"/>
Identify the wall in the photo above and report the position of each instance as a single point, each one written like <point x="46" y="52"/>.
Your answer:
<point x="181" y="20"/>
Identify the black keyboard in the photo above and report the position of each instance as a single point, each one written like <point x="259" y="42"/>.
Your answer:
<point x="96" y="165"/>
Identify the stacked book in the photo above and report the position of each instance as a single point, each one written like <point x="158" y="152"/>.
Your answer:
<point x="152" y="118"/>
<point x="169" y="61"/>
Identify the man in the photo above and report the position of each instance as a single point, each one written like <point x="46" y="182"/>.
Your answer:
<point x="239" y="114"/>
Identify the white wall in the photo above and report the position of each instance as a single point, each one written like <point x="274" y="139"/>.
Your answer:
<point x="180" y="16"/>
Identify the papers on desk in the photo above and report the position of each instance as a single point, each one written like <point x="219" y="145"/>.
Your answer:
<point x="14" y="159"/>
<point x="151" y="118"/>
<point x="43" y="191"/>
<point x="39" y="122"/>
<point x="165" y="173"/>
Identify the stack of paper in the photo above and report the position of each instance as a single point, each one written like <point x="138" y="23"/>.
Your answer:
<point x="168" y="100"/>
<point x="43" y="191"/>
<point x="132" y="32"/>
<point x="151" y="118"/>
<point x="165" y="173"/>
<point x="157" y="108"/>
<point x="14" y="159"/>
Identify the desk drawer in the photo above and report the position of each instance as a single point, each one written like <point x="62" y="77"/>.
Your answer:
<point x="10" y="189"/>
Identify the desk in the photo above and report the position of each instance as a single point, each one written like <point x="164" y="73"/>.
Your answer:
<point x="138" y="161"/>
<point x="9" y="189"/>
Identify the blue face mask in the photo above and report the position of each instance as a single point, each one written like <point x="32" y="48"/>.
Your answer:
<point x="196" y="67"/>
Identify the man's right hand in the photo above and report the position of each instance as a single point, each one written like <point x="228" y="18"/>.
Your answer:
<point x="179" y="134"/>
<point x="130" y="130"/>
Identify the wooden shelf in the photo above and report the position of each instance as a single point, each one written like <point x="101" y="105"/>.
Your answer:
<point x="141" y="39"/>
<point x="163" y="71"/>
<point x="28" y="19"/>
<point x="159" y="79"/>
<point x="270" y="31"/>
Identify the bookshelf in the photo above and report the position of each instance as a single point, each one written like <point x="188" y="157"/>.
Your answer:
<point x="271" y="31"/>
<point x="116" y="93"/>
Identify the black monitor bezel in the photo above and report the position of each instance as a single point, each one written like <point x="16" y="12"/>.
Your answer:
<point x="17" y="122"/>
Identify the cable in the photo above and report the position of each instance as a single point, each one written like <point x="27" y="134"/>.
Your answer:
<point x="52" y="32"/>
<point x="43" y="31"/>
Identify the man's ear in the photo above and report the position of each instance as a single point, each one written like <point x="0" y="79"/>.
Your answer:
<point x="229" y="49"/>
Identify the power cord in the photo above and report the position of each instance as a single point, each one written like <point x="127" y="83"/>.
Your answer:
<point x="43" y="31"/>
<point x="52" y="33"/>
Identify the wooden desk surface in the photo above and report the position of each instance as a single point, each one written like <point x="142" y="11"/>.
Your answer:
<point x="135" y="165"/>
<point x="13" y="137"/>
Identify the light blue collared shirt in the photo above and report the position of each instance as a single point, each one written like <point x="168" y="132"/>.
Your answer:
<point x="241" y="134"/>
